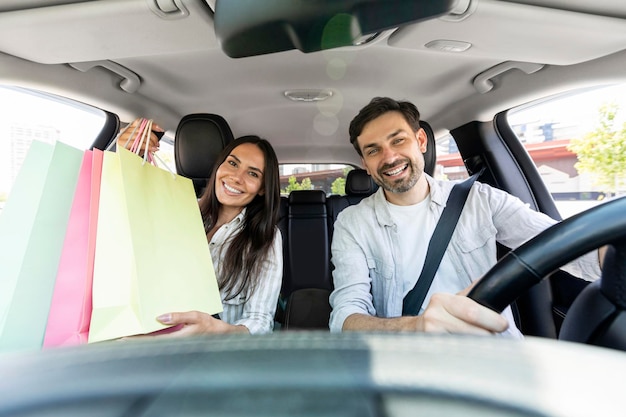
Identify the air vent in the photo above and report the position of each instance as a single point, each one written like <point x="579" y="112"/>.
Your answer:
<point x="308" y="95"/>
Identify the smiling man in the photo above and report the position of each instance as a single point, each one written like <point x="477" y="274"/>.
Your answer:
<point x="379" y="246"/>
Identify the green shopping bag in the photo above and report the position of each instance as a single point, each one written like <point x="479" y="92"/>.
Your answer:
<point x="152" y="255"/>
<point x="32" y="229"/>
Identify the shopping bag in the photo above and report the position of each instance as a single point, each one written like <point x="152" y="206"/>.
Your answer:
<point x="152" y="255"/>
<point x="32" y="229"/>
<point x="70" y="310"/>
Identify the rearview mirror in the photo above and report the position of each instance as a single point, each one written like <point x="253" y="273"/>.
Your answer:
<point x="256" y="27"/>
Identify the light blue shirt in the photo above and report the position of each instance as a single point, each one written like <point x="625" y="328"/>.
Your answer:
<point x="371" y="278"/>
<point x="253" y="309"/>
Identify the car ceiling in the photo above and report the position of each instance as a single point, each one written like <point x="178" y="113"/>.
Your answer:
<point x="162" y="59"/>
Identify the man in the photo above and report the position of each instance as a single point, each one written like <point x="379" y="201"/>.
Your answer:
<point x="379" y="245"/>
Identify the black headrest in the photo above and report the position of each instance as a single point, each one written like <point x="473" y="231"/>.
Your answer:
<point x="430" y="156"/>
<point x="358" y="182"/>
<point x="307" y="197"/>
<point x="199" y="139"/>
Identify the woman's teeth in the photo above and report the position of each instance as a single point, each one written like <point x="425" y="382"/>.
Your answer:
<point x="231" y="189"/>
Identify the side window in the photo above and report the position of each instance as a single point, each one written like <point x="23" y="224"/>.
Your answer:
<point x="165" y="153"/>
<point x="328" y="177"/>
<point x="29" y="115"/>
<point x="449" y="163"/>
<point x="578" y="143"/>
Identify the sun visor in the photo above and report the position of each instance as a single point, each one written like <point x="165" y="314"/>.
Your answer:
<point x="106" y="30"/>
<point x="560" y="37"/>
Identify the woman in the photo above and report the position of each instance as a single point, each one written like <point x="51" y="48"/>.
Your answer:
<point x="239" y="208"/>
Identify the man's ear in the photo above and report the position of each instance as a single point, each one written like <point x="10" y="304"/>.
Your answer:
<point x="422" y="139"/>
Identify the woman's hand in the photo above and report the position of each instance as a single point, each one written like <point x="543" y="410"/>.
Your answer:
<point x="195" y="323"/>
<point x="124" y="140"/>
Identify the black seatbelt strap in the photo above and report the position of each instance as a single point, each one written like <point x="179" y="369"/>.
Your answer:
<point x="438" y="244"/>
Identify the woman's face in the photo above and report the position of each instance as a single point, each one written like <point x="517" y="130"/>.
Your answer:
<point x="240" y="177"/>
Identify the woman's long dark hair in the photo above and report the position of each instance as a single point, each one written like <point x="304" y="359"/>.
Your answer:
<point x="248" y="249"/>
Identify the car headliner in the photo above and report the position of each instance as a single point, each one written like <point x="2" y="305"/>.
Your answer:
<point x="174" y="65"/>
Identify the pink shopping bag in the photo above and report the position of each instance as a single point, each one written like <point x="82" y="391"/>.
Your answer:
<point x="70" y="310"/>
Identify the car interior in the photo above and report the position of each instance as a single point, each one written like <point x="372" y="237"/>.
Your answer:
<point x="296" y="72"/>
<point x="191" y="65"/>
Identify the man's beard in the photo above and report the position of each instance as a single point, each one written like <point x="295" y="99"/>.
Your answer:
<point x="401" y="185"/>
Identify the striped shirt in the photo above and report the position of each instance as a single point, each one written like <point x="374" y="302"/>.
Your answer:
<point x="253" y="309"/>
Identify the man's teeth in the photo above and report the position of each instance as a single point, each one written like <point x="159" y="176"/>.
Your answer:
<point x="231" y="189"/>
<point x="395" y="171"/>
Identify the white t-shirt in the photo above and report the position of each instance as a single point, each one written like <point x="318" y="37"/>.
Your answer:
<point x="416" y="226"/>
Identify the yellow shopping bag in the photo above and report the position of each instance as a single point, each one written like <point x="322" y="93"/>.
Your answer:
<point x="152" y="255"/>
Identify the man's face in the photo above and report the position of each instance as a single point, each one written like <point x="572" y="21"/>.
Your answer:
<point x="393" y="152"/>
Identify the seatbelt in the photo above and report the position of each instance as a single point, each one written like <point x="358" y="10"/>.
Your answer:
<point x="438" y="244"/>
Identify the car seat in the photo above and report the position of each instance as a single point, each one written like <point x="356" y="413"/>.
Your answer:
<point x="307" y="278"/>
<point x="598" y="315"/>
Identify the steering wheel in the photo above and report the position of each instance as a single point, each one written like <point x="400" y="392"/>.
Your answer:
<point x="598" y="313"/>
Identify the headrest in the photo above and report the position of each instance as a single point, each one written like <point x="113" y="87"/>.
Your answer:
<point x="199" y="140"/>
<point x="307" y="197"/>
<point x="358" y="182"/>
<point x="430" y="156"/>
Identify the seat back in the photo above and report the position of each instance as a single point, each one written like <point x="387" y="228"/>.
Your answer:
<point x="283" y="216"/>
<point x="308" y="258"/>
<point x="307" y="283"/>
<point x="359" y="185"/>
<point x="308" y="308"/>
<point x="200" y="137"/>
<point x="598" y="315"/>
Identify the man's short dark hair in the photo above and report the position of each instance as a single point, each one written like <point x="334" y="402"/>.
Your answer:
<point x="377" y="107"/>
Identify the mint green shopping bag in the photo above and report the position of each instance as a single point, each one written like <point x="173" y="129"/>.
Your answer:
<point x="32" y="229"/>
<point x="152" y="255"/>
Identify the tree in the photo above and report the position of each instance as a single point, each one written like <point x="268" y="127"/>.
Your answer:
<point x="602" y="152"/>
<point x="339" y="185"/>
<point x="293" y="185"/>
